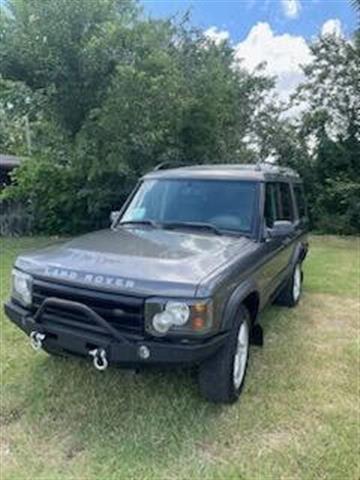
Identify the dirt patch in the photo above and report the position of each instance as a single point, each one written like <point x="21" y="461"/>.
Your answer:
<point x="73" y="450"/>
<point x="332" y="313"/>
<point x="10" y="417"/>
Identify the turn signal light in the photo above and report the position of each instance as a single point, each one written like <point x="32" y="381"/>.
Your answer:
<point x="200" y="308"/>
<point x="198" y="323"/>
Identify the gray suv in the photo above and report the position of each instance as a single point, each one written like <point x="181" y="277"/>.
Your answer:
<point x="180" y="277"/>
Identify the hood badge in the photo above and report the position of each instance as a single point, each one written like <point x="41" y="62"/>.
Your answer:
<point x="89" y="278"/>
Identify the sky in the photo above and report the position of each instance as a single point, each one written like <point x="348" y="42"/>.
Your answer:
<point x="275" y="31"/>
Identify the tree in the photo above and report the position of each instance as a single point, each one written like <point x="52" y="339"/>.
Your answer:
<point x="331" y="124"/>
<point x="67" y="47"/>
<point x="121" y="94"/>
<point x="182" y="101"/>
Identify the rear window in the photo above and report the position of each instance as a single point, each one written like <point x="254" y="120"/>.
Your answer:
<point x="300" y="200"/>
<point x="287" y="212"/>
<point x="278" y="203"/>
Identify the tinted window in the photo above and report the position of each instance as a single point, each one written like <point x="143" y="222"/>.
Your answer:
<point x="286" y="202"/>
<point x="228" y="205"/>
<point x="271" y="204"/>
<point x="300" y="200"/>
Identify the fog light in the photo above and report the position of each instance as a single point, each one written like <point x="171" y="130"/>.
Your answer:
<point x="144" y="352"/>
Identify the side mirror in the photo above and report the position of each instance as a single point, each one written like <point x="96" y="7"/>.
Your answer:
<point x="114" y="216"/>
<point x="281" y="228"/>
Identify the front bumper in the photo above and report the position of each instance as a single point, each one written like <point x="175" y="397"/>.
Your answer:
<point x="125" y="353"/>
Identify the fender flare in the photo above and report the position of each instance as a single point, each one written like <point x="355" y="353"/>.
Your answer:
<point x="299" y="254"/>
<point x="235" y="300"/>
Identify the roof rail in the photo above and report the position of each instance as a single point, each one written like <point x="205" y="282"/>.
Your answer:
<point x="167" y="164"/>
<point x="280" y="168"/>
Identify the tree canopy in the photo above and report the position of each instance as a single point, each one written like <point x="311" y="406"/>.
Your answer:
<point x="108" y="94"/>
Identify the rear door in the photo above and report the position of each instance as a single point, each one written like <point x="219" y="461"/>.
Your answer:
<point x="287" y="212"/>
<point x="299" y="197"/>
<point x="278" y="206"/>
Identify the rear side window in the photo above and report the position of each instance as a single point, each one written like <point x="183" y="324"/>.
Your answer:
<point x="286" y="205"/>
<point x="300" y="200"/>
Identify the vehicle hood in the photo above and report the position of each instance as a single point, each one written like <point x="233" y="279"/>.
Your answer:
<point x="137" y="260"/>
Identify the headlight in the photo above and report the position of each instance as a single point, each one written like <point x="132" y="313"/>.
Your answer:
<point x="178" y="317"/>
<point x="22" y="287"/>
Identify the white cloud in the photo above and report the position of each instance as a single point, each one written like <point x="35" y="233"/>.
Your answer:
<point x="283" y="55"/>
<point x="217" y="36"/>
<point x="332" y="27"/>
<point x="291" y="8"/>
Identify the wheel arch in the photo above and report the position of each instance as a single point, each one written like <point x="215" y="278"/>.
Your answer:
<point x="299" y="254"/>
<point x="252" y="303"/>
<point x="247" y="295"/>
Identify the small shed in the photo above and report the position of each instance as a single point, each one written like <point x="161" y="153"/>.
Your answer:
<point x="7" y="164"/>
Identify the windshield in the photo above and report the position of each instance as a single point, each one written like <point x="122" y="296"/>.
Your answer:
<point x="223" y="204"/>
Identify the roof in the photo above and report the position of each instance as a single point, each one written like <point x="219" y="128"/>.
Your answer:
<point x="255" y="172"/>
<point x="8" y="162"/>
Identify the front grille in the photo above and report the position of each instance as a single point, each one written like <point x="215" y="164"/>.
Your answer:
<point x="123" y="312"/>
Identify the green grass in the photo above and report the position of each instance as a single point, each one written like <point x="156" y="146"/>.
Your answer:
<point x="298" y="417"/>
<point x="334" y="266"/>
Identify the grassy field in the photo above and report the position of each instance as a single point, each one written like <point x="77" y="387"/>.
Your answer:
<point x="298" y="417"/>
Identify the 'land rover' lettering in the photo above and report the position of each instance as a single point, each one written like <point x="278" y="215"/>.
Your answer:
<point x="90" y="278"/>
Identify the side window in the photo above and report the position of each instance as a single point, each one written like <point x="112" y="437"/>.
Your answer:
<point x="300" y="200"/>
<point x="286" y="210"/>
<point x="271" y="205"/>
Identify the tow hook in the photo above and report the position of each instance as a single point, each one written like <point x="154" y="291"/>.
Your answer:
<point x="36" y="340"/>
<point x="100" y="361"/>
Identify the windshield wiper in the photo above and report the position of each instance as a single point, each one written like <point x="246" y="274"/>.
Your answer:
<point x="194" y="225"/>
<point x="151" y="223"/>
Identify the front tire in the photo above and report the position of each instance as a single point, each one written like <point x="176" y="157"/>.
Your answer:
<point x="221" y="378"/>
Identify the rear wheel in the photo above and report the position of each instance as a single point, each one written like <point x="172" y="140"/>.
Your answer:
<point x="290" y="295"/>
<point x="222" y="377"/>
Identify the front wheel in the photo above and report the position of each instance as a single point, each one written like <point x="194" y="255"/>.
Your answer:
<point x="221" y="378"/>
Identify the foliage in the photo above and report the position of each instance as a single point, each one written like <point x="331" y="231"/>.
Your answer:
<point x="180" y="102"/>
<point x="108" y="94"/>
<point x="331" y="123"/>
<point x="120" y="95"/>
<point x="18" y="104"/>
<point x="71" y="46"/>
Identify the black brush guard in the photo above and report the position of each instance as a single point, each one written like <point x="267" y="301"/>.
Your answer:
<point x="85" y="310"/>
<point x="111" y="345"/>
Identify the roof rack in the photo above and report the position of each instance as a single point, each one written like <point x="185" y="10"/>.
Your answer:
<point x="168" y="164"/>
<point x="264" y="167"/>
<point x="281" y="169"/>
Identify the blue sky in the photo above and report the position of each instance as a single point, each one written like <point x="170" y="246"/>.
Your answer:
<point x="273" y="31"/>
<point x="238" y="16"/>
